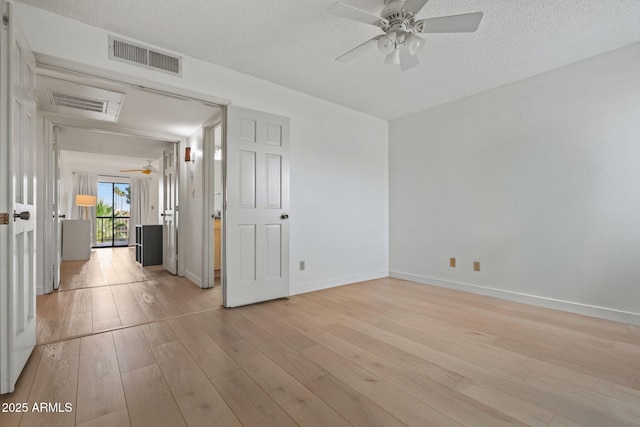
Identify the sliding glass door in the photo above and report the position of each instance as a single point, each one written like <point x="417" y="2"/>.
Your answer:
<point x="112" y="214"/>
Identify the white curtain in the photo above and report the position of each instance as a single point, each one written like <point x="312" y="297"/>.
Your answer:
<point x="139" y="205"/>
<point x="85" y="184"/>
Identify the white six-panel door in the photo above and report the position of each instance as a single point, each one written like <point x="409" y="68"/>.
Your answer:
<point x="17" y="238"/>
<point x="169" y="182"/>
<point x="256" y="223"/>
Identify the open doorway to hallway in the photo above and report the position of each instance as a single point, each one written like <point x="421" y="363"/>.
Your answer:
<point x="123" y="143"/>
<point x="118" y="146"/>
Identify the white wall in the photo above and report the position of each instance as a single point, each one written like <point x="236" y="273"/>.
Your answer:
<point x="538" y="180"/>
<point x="339" y="218"/>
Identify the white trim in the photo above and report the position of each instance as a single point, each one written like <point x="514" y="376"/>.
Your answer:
<point x="347" y="280"/>
<point x="195" y="279"/>
<point x="573" y="307"/>
<point x="45" y="61"/>
<point x="208" y="178"/>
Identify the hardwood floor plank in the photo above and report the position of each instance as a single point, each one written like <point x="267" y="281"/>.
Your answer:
<point x="212" y="323"/>
<point x="159" y="333"/>
<point x="104" y="310"/>
<point x="77" y="324"/>
<point x="103" y="306"/>
<point x="194" y="297"/>
<point x="127" y="305"/>
<point x="55" y="381"/>
<point x="109" y="273"/>
<point x="50" y="311"/>
<point x="132" y="349"/>
<point x="401" y="405"/>
<point x="299" y="403"/>
<point x="22" y="389"/>
<point x="80" y="301"/>
<point x="277" y="325"/>
<point x="208" y="355"/>
<point x="149" y="399"/>
<point x="156" y="302"/>
<point x="250" y="403"/>
<point x="196" y="396"/>
<point x="524" y="412"/>
<point x="296" y="365"/>
<point x="100" y="389"/>
<point x="353" y="406"/>
<point x="115" y="419"/>
<point x="397" y="355"/>
<point x="440" y="397"/>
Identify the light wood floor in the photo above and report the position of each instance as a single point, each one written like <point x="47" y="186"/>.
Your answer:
<point x="110" y="291"/>
<point x="381" y="353"/>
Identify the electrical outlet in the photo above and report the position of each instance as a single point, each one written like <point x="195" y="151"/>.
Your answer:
<point x="476" y="265"/>
<point x="302" y="265"/>
<point x="452" y="262"/>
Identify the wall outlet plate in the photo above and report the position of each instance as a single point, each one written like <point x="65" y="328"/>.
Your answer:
<point x="476" y="265"/>
<point x="302" y="266"/>
<point x="452" y="262"/>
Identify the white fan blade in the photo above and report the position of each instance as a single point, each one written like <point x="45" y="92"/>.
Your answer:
<point x="466" y="23"/>
<point x="350" y="12"/>
<point x="414" y="5"/>
<point x="406" y="59"/>
<point x="358" y="50"/>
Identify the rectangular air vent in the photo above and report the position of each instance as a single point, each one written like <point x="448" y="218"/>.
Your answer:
<point x="121" y="50"/>
<point x="77" y="102"/>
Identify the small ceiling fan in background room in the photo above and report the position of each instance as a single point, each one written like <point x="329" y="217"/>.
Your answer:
<point x="400" y="41"/>
<point x="146" y="169"/>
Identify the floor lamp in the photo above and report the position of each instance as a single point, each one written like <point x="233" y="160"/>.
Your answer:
<point x="85" y="202"/>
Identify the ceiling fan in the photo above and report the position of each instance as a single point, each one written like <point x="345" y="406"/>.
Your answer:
<point x="146" y="169"/>
<point x="400" y="41"/>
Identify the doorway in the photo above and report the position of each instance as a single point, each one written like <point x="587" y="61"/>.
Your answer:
<point x="113" y="210"/>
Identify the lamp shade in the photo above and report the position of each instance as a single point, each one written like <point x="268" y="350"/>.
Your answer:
<point x="85" y="200"/>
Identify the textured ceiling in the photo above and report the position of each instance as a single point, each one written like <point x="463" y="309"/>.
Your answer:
<point x="294" y="43"/>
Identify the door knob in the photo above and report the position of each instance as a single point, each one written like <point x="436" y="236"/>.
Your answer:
<point x="284" y="216"/>
<point x="22" y="215"/>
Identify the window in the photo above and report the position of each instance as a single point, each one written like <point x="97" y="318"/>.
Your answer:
<point x="112" y="214"/>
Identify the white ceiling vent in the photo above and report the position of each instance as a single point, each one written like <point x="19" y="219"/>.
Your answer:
<point x="77" y="99"/>
<point x="121" y="50"/>
<point x="78" y="102"/>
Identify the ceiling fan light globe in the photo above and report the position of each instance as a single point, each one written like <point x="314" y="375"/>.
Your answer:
<point x="386" y="45"/>
<point x="414" y="44"/>
<point x="393" y="57"/>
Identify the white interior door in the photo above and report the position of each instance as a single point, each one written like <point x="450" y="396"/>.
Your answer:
<point x="169" y="181"/>
<point x="57" y="224"/>
<point x="17" y="195"/>
<point x="256" y="220"/>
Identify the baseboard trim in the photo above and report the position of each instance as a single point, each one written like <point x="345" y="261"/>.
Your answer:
<point x="347" y="280"/>
<point x="573" y="307"/>
<point x="195" y="279"/>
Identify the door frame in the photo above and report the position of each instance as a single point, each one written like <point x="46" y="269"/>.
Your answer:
<point x="208" y="174"/>
<point x="47" y="62"/>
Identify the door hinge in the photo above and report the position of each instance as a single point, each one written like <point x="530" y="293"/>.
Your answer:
<point x="5" y="19"/>
<point x="4" y="218"/>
